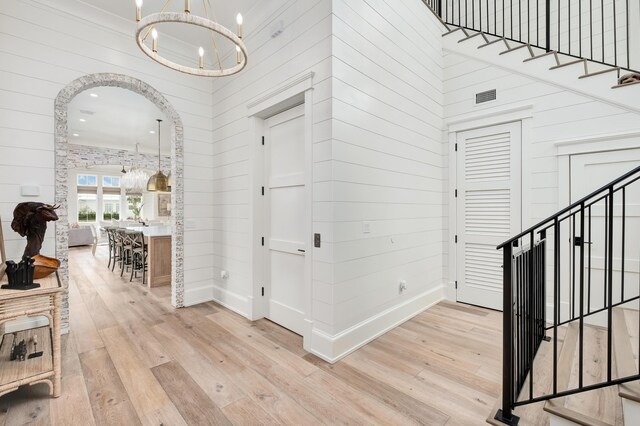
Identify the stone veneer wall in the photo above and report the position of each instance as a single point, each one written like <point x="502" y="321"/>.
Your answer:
<point x="83" y="155"/>
<point x="64" y="152"/>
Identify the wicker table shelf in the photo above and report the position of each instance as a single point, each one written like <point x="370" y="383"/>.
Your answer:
<point x="43" y="301"/>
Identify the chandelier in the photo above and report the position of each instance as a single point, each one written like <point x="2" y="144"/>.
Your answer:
<point x="135" y="180"/>
<point x="146" y="27"/>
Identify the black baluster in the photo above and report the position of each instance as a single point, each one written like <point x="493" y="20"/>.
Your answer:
<point x="580" y="27"/>
<point x="528" y="21"/>
<point x="602" y="13"/>
<point x="615" y="35"/>
<point x="556" y="301"/>
<point x="531" y="313"/>
<point x="581" y="347"/>
<point x="624" y="217"/>
<point x="589" y="266"/>
<point x="591" y="27"/>
<point x="610" y="279"/>
<point x="606" y="250"/>
<point x="548" y="25"/>
<point x="569" y="26"/>
<point x="573" y="266"/>
<point x="559" y="45"/>
<point x="506" y="414"/>
<point x="628" y="44"/>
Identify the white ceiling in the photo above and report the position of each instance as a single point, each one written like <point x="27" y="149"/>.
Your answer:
<point x="117" y="118"/>
<point x="222" y="11"/>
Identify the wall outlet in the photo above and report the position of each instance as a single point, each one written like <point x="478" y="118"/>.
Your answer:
<point x="224" y="275"/>
<point x="403" y="286"/>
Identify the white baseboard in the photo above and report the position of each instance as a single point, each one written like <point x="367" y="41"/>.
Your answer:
<point x="332" y="348"/>
<point x="228" y="299"/>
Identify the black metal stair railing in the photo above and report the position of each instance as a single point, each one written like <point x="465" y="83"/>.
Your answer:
<point x="601" y="31"/>
<point x="555" y="262"/>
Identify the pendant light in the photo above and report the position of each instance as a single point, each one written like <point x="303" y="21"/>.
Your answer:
<point x="158" y="182"/>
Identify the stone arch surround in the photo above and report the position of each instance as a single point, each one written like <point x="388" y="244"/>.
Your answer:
<point x="65" y="154"/>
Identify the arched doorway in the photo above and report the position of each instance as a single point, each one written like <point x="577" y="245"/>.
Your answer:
<point x="63" y="156"/>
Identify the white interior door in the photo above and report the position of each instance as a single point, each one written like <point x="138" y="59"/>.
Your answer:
<point x="285" y="194"/>
<point x="590" y="172"/>
<point x="488" y="209"/>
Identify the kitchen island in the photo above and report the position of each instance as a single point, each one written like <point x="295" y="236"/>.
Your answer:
<point x="158" y="240"/>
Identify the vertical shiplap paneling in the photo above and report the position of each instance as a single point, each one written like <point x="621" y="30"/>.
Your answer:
<point x="42" y="49"/>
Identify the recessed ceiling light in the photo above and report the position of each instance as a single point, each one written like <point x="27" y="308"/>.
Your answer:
<point x="76" y="135"/>
<point x="93" y="95"/>
<point x="82" y="120"/>
<point x="153" y="132"/>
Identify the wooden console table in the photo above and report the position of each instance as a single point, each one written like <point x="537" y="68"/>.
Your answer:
<point x="43" y="301"/>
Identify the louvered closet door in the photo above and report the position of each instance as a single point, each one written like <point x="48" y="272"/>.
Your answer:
<point x="488" y="209"/>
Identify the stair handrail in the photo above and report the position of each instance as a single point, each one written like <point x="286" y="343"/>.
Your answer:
<point x="570" y="207"/>
<point x="539" y="27"/>
<point x="527" y="311"/>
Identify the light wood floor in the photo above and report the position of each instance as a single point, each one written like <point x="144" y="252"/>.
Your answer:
<point x="132" y="359"/>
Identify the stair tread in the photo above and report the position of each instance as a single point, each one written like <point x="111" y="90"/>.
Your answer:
<point x="617" y="86"/>
<point x="626" y="361"/>
<point x="596" y="407"/>
<point x="454" y="30"/>
<point x="476" y="34"/>
<point x="542" y="55"/>
<point x="592" y="74"/>
<point x="521" y="46"/>
<point x="557" y="409"/>
<point x="498" y="40"/>
<point x="566" y="64"/>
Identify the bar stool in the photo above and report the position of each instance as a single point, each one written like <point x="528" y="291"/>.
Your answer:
<point x="139" y="255"/>
<point x="126" y="250"/>
<point x="112" y="244"/>
<point x="118" y="247"/>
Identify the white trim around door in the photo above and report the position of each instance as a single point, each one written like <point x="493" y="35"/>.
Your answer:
<point x="293" y="93"/>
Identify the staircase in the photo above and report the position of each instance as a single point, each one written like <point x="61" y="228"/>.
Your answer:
<point x="592" y="49"/>
<point x="571" y="330"/>
<point x="571" y="283"/>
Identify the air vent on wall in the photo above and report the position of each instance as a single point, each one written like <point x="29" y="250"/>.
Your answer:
<point x="488" y="96"/>
<point x="87" y="112"/>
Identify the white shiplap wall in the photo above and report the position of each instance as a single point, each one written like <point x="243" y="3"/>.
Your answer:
<point x="387" y="166"/>
<point x="303" y="46"/>
<point x="378" y="157"/>
<point x="44" y="45"/>
<point x="557" y="115"/>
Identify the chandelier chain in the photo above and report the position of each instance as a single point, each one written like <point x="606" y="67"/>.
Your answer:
<point x="213" y="38"/>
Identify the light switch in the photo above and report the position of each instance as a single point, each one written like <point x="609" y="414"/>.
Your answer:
<point x="366" y="227"/>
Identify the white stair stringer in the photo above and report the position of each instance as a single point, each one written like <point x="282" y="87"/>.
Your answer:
<point x="544" y="68"/>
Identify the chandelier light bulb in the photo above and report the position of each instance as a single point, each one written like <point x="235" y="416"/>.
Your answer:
<point x="201" y="53"/>
<point x="239" y="20"/>
<point x="138" y="10"/>
<point x="154" y="46"/>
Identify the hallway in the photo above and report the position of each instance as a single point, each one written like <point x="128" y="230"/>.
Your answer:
<point x="131" y="359"/>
